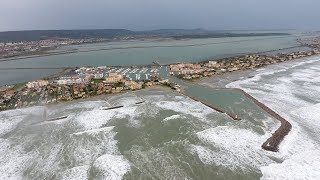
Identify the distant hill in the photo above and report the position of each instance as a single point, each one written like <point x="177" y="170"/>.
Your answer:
<point x="34" y="35"/>
<point x="175" y="31"/>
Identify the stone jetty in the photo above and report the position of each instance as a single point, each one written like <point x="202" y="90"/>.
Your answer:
<point x="272" y="144"/>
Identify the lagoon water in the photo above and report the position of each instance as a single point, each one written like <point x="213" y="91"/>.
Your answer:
<point x="142" y="53"/>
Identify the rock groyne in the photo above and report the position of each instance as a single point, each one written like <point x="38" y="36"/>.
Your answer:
<point x="232" y="115"/>
<point x="272" y="144"/>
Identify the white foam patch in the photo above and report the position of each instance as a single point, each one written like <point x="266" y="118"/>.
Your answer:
<point x="111" y="167"/>
<point x="159" y="162"/>
<point x="75" y="173"/>
<point x="95" y="118"/>
<point x="94" y="131"/>
<point x="187" y="106"/>
<point x="10" y="123"/>
<point x="85" y="105"/>
<point x="13" y="160"/>
<point x="11" y="118"/>
<point x="234" y="148"/>
<point x="45" y="154"/>
<point x="172" y="117"/>
<point x="304" y="165"/>
<point x="128" y="101"/>
<point x="294" y="93"/>
<point x="310" y="114"/>
<point x="154" y="98"/>
<point x="85" y="147"/>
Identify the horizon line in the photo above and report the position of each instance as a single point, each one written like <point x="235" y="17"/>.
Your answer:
<point x="205" y="29"/>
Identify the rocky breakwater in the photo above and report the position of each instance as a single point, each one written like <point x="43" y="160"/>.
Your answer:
<point x="230" y="114"/>
<point x="272" y="144"/>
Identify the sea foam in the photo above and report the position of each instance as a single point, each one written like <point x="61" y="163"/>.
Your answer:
<point x="233" y="148"/>
<point x="294" y="93"/>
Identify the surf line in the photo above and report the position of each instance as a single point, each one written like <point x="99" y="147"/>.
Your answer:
<point x="272" y="143"/>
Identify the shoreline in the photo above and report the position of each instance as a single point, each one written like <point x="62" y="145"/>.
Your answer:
<point x="221" y="67"/>
<point x="273" y="142"/>
<point x="72" y="51"/>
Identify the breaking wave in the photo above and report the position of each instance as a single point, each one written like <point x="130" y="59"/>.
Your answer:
<point x="292" y="89"/>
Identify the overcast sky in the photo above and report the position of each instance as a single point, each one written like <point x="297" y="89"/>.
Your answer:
<point x="159" y="14"/>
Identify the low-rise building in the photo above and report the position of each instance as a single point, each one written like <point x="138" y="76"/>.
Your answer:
<point x="37" y="84"/>
<point x="76" y="79"/>
<point x="98" y="75"/>
<point x="114" y="77"/>
<point x="133" y="85"/>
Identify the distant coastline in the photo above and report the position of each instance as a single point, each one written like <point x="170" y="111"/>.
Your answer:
<point x="43" y="52"/>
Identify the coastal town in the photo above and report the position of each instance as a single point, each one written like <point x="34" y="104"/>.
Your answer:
<point x="84" y="82"/>
<point x="27" y="48"/>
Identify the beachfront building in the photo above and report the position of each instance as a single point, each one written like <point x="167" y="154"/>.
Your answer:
<point x="114" y="77"/>
<point x="37" y="84"/>
<point x="133" y="85"/>
<point x="75" y="79"/>
<point x="8" y="94"/>
<point x="98" y="75"/>
<point x="185" y="68"/>
<point x="213" y="64"/>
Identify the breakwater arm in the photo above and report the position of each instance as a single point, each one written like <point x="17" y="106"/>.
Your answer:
<point x="272" y="144"/>
<point x="233" y="116"/>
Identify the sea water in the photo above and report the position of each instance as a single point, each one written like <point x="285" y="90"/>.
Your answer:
<point x="292" y="89"/>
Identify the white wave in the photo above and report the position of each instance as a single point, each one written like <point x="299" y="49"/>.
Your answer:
<point x="311" y="115"/>
<point x="10" y="123"/>
<point x="294" y="94"/>
<point x="304" y="165"/>
<point x="95" y="118"/>
<point x="11" y="118"/>
<point x="42" y="152"/>
<point x="94" y="131"/>
<point x="75" y="173"/>
<point x="233" y="148"/>
<point x="158" y="162"/>
<point x="13" y="160"/>
<point x="172" y="117"/>
<point x="187" y="106"/>
<point x="70" y="106"/>
<point x="111" y="167"/>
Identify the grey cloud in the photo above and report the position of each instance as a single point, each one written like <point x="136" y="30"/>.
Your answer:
<point x="153" y="14"/>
